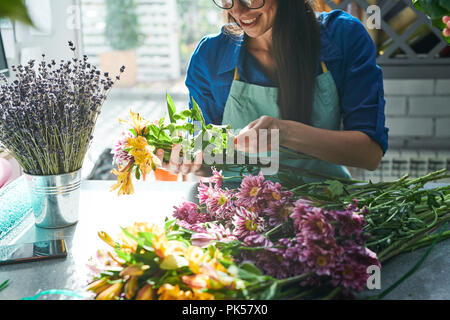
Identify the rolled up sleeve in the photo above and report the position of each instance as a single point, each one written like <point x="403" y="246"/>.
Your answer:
<point x="362" y="93"/>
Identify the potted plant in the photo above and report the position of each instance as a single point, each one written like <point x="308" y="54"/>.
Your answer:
<point x="123" y="36"/>
<point x="47" y="120"/>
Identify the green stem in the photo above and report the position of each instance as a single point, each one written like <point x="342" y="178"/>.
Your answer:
<point x="410" y="272"/>
<point x="333" y="293"/>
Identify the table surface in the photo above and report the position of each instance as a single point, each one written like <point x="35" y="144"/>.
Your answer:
<point x="101" y="210"/>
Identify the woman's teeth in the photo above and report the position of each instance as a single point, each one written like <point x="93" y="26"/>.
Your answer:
<point x="249" y="21"/>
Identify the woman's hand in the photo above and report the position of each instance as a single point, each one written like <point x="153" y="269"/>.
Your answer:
<point x="184" y="166"/>
<point x="250" y="138"/>
<point x="446" y="20"/>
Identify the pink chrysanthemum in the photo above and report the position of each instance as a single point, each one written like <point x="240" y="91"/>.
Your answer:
<point x="189" y="212"/>
<point x="247" y="223"/>
<point x="213" y="232"/>
<point x="274" y="194"/>
<point x="311" y="222"/>
<point x="318" y="256"/>
<point x="351" y="223"/>
<point x="219" y="204"/>
<point x="250" y="192"/>
<point x="217" y="178"/>
<point x="196" y="227"/>
<point x="120" y="156"/>
<point x="351" y="273"/>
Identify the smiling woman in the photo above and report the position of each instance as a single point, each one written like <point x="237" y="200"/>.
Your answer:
<point x="312" y="76"/>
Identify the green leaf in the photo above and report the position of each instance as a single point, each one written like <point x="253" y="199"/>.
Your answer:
<point x="148" y="237"/>
<point x="171" y="108"/>
<point x="186" y="113"/>
<point x="161" y="122"/>
<point x="197" y="113"/>
<point x="250" y="267"/>
<point x="133" y="132"/>
<point x="433" y="9"/>
<point x="445" y="4"/>
<point x="270" y="292"/>
<point x="125" y="256"/>
<point x="137" y="173"/>
<point x="335" y="189"/>
<point x="4" y="285"/>
<point x="15" y="10"/>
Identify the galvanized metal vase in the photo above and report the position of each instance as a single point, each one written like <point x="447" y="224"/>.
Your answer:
<point x="55" y="199"/>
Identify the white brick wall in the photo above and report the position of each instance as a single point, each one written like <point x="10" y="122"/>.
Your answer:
<point x="418" y="118"/>
<point x="418" y="113"/>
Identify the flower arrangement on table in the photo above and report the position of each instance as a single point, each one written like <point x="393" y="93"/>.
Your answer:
<point x="263" y="241"/>
<point x="48" y="115"/>
<point x="134" y="153"/>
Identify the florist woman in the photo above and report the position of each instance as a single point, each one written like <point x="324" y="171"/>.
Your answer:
<point x="279" y="65"/>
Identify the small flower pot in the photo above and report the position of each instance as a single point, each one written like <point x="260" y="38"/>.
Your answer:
<point x="165" y="175"/>
<point x="55" y="199"/>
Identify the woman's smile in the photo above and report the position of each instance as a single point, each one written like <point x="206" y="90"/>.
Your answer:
<point x="249" y="22"/>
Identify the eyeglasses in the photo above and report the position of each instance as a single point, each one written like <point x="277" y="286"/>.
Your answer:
<point x="250" y="4"/>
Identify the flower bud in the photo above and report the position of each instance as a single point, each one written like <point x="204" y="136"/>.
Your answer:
<point x="131" y="271"/>
<point x="131" y="287"/>
<point x="145" y="293"/>
<point x="111" y="292"/>
<point x="105" y="237"/>
<point x="98" y="286"/>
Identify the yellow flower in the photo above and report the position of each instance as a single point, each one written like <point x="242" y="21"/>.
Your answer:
<point x="137" y="122"/>
<point x="137" y="143"/>
<point x="124" y="183"/>
<point x="196" y="258"/>
<point x="169" y="292"/>
<point x="143" y="154"/>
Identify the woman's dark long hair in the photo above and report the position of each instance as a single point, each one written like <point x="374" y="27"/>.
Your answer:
<point x="296" y="48"/>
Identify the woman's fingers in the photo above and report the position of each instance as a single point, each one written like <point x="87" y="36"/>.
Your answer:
<point x="174" y="162"/>
<point x="160" y="154"/>
<point x="198" y="161"/>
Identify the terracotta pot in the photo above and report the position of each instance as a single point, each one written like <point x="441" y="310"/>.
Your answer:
<point x="165" y="175"/>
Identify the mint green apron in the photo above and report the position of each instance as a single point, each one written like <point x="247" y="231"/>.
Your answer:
<point x="248" y="102"/>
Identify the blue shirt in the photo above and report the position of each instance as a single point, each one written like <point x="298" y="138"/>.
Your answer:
<point x="347" y="50"/>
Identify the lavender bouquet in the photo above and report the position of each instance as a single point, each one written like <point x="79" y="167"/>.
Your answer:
<point x="48" y="114"/>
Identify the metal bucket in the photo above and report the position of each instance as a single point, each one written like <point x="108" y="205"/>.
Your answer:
<point x="55" y="199"/>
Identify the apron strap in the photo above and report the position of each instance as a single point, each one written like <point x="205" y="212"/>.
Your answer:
<point x="324" y="67"/>
<point x="236" y="74"/>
